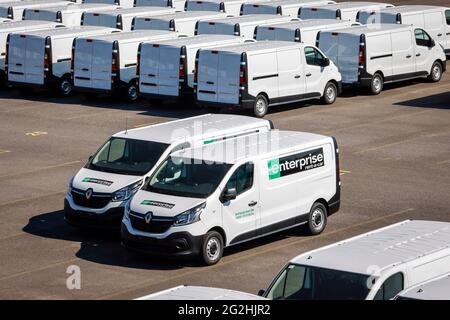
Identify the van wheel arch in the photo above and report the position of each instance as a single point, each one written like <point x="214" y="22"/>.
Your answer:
<point x="64" y="91"/>
<point x="376" y="88"/>
<point x="131" y="85"/>
<point x="430" y="77"/>
<point x="317" y="217"/>
<point x="324" y="202"/>
<point x="222" y="233"/>
<point x="259" y="113"/>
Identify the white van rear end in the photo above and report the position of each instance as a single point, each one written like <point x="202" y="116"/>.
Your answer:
<point x="230" y="7"/>
<point x="176" y="4"/>
<point x="121" y="3"/>
<point x="282" y="7"/>
<point x="243" y="26"/>
<point x="166" y="68"/>
<point x="121" y="18"/>
<point x="14" y="10"/>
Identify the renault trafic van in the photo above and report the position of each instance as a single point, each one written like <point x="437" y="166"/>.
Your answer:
<point x="373" y="266"/>
<point x="98" y="192"/>
<point x="369" y="57"/>
<point x="166" y="68"/>
<point x="43" y="58"/>
<point x="107" y="63"/>
<point x="14" y="10"/>
<point x="282" y="7"/>
<point x="203" y="199"/>
<point x="230" y="7"/>
<point x="121" y="3"/>
<point x="176" y="4"/>
<point x="262" y="74"/>
<point x="435" y="289"/>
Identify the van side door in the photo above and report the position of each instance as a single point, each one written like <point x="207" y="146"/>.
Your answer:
<point x="447" y="31"/>
<point x="403" y="54"/>
<point x="435" y="26"/>
<point x="424" y="52"/>
<point x="291" y="74"/>
<point x="315" y="71"/>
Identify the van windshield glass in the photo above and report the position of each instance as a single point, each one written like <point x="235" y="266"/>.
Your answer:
<point x="184" y="178"/>
<point x="127" y="156"/>
<point x="298" y="282"/>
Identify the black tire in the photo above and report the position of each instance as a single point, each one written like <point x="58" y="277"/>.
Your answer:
<point x="376" y="84"/>
<point x="317" y="220"/>
<point x="330" y="93"/>
<point x="260" y="107"/>
<point x="212" y="248"/>
<point x="65" y="87"/>
<point x="436" y="72"/>
<point x="132" y="92"/>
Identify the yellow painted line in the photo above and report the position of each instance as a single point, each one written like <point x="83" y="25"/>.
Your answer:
<point x="344" y="172"/>
<point x="36" y="133"/>
<point x="66" y="164"/>
<point x="7" y="203"/>
<point x="443" y="162"/>
<point x="4" y="151"/>
<point x="271" y="249"/>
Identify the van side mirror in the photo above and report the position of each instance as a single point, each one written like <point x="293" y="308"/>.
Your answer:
<point x="326" y="62"/>
<point x="432" y="43"/>
<point x="229" y="194"/>
<point x="261" y="292"/>
<point x="146" y="179"/>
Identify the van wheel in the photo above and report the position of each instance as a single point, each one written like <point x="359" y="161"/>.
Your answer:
<point x="132" y="92"/>
<point x="65" y="87"/>
<point x="260" y="107"/>
<point x="317" y="219"/>
<point x="436" y="72"/>
<point x="212" y="248"/>
<point x="376" y="85"/>
<point x="330" y="93"/>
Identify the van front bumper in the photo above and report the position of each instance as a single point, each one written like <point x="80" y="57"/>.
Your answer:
<point x="108" y="220"/>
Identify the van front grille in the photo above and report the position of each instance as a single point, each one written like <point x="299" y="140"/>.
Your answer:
<point x="156" y="225"/>
<point x="96" y="201"/>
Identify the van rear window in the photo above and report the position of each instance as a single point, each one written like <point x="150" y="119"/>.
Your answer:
<point x="447" y="16"/>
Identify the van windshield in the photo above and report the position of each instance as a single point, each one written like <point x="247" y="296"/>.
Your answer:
<point x="298" y="282"/>
<point x="127" y="156"/>
<point x="186" y="178"/>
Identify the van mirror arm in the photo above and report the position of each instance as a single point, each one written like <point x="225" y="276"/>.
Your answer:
<point x="261" y="292"/>
<point x="229" y="194"/>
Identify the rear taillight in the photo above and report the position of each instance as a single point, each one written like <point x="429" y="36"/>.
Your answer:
<point x="6" y="55"/>
<point x="138" y="63"/>
<point x="362" y="53"/>
<point x="196" y="73"/>
<point x="10" y="14"/>
<point x="182" y="72"/>
<point x="242" y="75"/>
<point x="114" y="65"/>
<point x="72" y="60"/>
<point x="47" y="58"/>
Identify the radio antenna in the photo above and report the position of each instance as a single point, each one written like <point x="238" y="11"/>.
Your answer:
<point x="126" y="125"/>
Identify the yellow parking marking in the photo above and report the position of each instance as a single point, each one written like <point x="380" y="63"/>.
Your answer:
<point x="4" y="151"/>
<point x="444" y="162"/>
<point x="36" y="133"/>
<point x="344" y="172"/>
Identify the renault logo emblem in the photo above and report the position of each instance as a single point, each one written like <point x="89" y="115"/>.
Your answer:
<point x="148" y="217"/>
<point x="88" y="194"/>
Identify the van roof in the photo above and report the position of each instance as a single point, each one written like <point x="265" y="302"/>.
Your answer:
<point x="258" y="46"/>
<point x="435" y="289"/>
<point x="188" y="15"/>
<point x="384" y="248"/>
<point x="372" y="29"/>
<point x="133" y="11"/>
<point x="304" y="24"/>
<point x="4" y="27"/>
<point x="251" y="19"/>
<point x="409" y="9"/>
<point x="300" y="3"/>
<point x="80" y="7"/>
<point x="69" y="31"/>
<point x="351" y="6"/>
<point x="258" y="145"/>
<point x="131" y="36"/>
<point x="196" y="40"/>
<point x="33" y="3"/>
<point x="207" y="125"/>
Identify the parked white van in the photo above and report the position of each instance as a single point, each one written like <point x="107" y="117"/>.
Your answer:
<point x="107" y="63"/>
<point x="435" y="289"/>
<point x="14" y="10"/>
<point x="43" y="58"/>
<point x="342" y="10"/>
<point x="203" y="199"/>
<point x="230" y="7"/>
<point x="282" y="7"/>
<point x="176" y="4"/>
<point x="305" y="31"/>
<point x="262" y="74"/>
<point x="121" y="3"/>
<point x="166" y="68"/>
<point x="243" y="26"/>
<point x="19" y="26"/>
<point x="70" y="15"/>
<point x="98" y="192"/>
<point x="121" y="18"/>
<point x="369" y="57"/>
<point x="434" y="20"/>
<point x="183" y="22"/>
<point x="372" y="266"/>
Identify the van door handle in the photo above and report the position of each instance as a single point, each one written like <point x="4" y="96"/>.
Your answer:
<point x="448" y="33"/>
<point x="308" y="74"/>
<point x="439" y="35"/>
<point x="408" y="56"/>
<point x="418" y="55"/>
<point x="297" y="76"/>
<point x="253" y="203"/>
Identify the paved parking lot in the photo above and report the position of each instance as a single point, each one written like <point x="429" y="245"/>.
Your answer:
<point x="395" y="161"/>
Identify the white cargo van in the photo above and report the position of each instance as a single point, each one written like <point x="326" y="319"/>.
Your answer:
<point x="183" y="22"/>
<point x="14" y="10"/>
<point x="300" y="31"/>
<point x="166" y="68"/>
<point x="203" y="199"/>
<point x="70" y="15"/>
<point x="43" y="58"/>
<point x="282" y="7"/>
<point x="107" y="63"/>
<point x="372" y="266"/>
<point x="176" y="4"/>
<point x="121" y="3"/>
<point x="121" y="18"/>
<point x="230" y="7"/>
<point x="342" y="10"/>
<point x="243" y="26"/>
<point x="266" y="73"/>
<point x="434" y="20"/>
<point x="98" y="192"/>
<point x="369" y="57"/>
<point x="435" y="289"/>
<point x="19" y="26"/>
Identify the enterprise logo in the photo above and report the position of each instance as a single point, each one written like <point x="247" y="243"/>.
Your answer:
<point x="295" y="163"/>
<point x="98" y="181"/>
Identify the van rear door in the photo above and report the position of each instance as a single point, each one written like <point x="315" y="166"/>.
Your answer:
<point x="208" y="75"/>
<point x="83" y="63"/>
<point x="101" y="65"/>
<point x="228" y="78"/>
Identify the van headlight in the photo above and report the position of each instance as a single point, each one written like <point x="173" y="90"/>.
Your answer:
<point x="127" y="210"/>
<point x="70" y="185"/>
<point x="189" y="216"/>
<point x="126" y="193"/>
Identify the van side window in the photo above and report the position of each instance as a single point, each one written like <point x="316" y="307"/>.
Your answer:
<point x="447" y="16"/>
<point x="314" y="57"/>
<point x="390" y="288"/>
<point x="242" y="178"/>
<point x="422" y="38"/>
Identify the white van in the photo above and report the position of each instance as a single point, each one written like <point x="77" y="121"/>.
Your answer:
<point x="176" y="4"/>
<point x="166" y="68"/>
<point x="282" y="7"/>
<point x="203" y="199"/>
<point x="122" y="3"/>
<point x="434" y="20"/>
<point x="43" y="58"/>
<point x="243" y="26"/>
<point x="372" y="266"/>
<point x="369" y="57"/>
<point x="107" y="63"/>
<point x="70" y="15"/>
<point x="230" y="7"/>
<point x="435" y="289"/>
<point x="262" y="74"/>
<point x="98" y="192"/>
<point x="19" y="26"/>
<point x="305" y="31"/>
<point x="121" y="18"/>
<point x="14" y="10"/>
<point x="342" y="10"/>
<point x="183" y="22"/>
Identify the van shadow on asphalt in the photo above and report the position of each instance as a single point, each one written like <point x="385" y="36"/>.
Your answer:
<point x="435" y="101"/>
